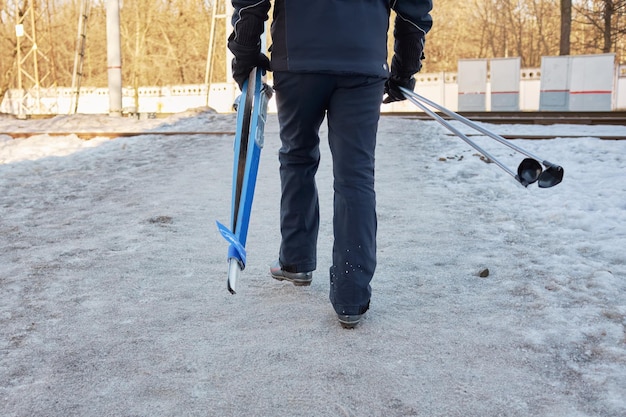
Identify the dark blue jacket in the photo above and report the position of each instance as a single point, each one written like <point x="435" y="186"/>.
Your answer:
<point x="336" y="36"/>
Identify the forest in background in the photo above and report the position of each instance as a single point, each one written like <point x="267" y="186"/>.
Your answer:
<point x="166" y="42"/>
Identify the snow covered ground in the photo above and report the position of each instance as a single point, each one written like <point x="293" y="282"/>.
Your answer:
<point x="113" y="295"/>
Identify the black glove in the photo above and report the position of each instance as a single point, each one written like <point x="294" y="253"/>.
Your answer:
<point x="246" y="58"/>
<point x="392" y="88"/>
<point x="406" y="61"/>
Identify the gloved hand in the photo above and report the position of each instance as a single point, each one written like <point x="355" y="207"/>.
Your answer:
<point x="246" y="58"/>
<point x="392" y="88"/>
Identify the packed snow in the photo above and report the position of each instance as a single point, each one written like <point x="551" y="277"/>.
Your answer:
<point x="113" y="278"/>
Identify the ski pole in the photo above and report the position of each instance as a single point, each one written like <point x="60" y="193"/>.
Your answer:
<point x="528" y="171"/>
<point x="553" y="174"/>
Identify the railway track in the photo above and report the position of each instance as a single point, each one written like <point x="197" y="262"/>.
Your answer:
<point x="526" y="117"/>
<point x="536" y="117"/>
<point x="107" y="134"/>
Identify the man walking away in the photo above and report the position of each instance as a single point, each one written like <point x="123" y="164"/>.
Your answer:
<point x="329" y="59"/>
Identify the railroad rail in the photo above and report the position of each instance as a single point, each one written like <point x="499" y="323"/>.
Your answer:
<point x="551" y="136"/>
<point x="525" y="117"/>
<point x="113" y="135"/>
<point x="110" y="134"/>
<point x="617" y="117"/>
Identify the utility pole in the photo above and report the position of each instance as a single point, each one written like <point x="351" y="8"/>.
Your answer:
<point x="33" y="66"/>
<point x="114" y="57"/>
<point x="79" y="57"/>
<point x="222" y="11"/>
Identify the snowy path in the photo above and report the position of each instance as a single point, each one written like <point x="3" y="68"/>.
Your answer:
<point x="114" y="301"/>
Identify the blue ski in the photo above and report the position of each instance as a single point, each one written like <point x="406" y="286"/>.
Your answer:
<point x="251" y="116"/>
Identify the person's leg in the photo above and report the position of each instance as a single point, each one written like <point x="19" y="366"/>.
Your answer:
<point x="353" y="116"/>
<point x="301" y="101"/>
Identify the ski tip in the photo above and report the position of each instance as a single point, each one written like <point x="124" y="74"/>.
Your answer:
<point x="233" y="271"/>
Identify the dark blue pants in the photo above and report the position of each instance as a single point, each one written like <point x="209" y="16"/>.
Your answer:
<point x="351" y="104"/>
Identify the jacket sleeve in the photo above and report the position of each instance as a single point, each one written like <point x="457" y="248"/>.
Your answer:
<point x="248" y="23"/>
<point x="412" y="23"/>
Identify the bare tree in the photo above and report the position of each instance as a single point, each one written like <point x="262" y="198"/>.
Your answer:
<point x="602" y="23"/>
<point x="7" y="45"/>
<point x="166" y="42"/>
<point x="453" y="36"/>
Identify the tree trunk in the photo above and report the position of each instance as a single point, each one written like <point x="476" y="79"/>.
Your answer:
<point x="607" y="16"/>
<point x="566" y="27"/>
